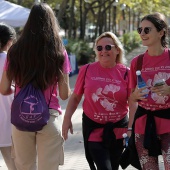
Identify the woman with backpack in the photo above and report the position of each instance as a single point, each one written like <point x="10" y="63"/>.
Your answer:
<point x="40" y="59"/>
<point x="152" y="117"/>
<point x="7" y="38"/>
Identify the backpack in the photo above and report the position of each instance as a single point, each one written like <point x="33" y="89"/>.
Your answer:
<point x="29" y="110"/>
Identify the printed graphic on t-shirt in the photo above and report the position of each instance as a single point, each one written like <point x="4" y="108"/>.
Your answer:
<point x="159" y="76"/>
<point x="101" y="96"/>
<point x="159" y="100"/>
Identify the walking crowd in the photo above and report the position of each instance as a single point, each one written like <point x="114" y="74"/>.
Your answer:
<point x="34" y="72"/>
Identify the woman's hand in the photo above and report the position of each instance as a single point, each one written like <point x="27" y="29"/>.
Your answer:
<point x="67" y="125"/>
<point x="163" y="90"/>
<point x="137" y="94"/>
<point x="129" y="133"/>
<point x="73" y="102"/>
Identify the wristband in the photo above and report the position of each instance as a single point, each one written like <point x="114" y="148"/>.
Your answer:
<point x="129" y="129"/>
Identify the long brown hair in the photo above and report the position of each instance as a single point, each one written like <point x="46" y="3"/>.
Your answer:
<point x="37" y="56"/>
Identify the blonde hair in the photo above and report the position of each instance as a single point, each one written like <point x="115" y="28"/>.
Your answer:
<point x="120" y="57"/>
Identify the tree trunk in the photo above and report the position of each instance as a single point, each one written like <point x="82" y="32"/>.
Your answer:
<point x="124" y="19"/>
<point x="138" y="16"/>
<point x="109" y="25"/>
<point x="129" y="12"/>
<point x="84" y="18"/>
<point x="114" y="19"/>
<point x="19" y="2"/>
<point x="72" y="19"/>
<point x="134" y="20"/>
<point x="81" y="20"/>
<point x="62" y="10"/>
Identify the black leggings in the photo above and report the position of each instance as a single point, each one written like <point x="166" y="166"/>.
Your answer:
<point x="106" y="159"/>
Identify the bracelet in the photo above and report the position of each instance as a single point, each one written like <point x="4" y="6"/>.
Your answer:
<point x="129" y="129"/>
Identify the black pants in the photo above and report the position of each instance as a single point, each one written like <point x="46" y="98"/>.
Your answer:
<point x="106" y="159"/>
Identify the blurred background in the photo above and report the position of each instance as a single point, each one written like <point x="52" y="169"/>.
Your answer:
<point x="82" y="21"/>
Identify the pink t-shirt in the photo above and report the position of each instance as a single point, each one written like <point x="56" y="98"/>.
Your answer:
<point x="52" y="91"/>
<point x="153" y="69"/>
<point x="105" y="95"/>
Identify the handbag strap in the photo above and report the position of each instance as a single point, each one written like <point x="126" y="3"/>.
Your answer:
<point x="126" y="73"/>
<point x="85" y="73"/>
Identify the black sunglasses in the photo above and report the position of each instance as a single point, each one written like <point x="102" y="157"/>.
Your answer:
<point x="146" y="30"/>
<point x="107" y="47"/>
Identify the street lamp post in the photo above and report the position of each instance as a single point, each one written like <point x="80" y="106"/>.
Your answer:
<point x="129" y="13"/>
<point x="115" y="3"/>
<point x="123" y="6"/>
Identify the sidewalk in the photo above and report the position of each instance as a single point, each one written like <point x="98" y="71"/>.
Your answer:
<point x="74" y="147"/>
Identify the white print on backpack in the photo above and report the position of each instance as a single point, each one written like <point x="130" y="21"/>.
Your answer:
<point x="28" y="113"/>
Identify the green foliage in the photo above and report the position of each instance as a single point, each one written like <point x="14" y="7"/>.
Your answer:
<point x="80" y="49"/>
<point x="25" y="3"/>
<point x="130" y="41"/>
<point x="145" y="7"/>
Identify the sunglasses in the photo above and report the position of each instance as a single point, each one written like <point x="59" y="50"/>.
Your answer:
<point x="146" y="30"/>
<point x="107" y="47"/>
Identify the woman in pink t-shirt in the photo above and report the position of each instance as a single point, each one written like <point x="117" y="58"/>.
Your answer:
<point x="39" y="57"/>
<point x="152" y="118"/>
<point x="104" y="85"/>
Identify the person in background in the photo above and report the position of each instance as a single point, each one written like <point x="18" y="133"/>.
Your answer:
<point x="152" y="118"/>
<point x="7" y="38"/>
<point x="39" y="56"/>
<point x="104" y="85"/>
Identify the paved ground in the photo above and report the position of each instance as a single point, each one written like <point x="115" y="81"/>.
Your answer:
<point x="74" y="149"/>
